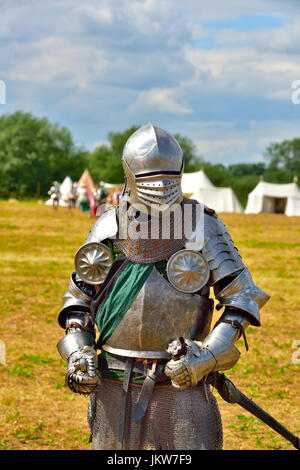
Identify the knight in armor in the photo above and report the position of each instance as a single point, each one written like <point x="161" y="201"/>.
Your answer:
<point x="137" y="287"/>
<point x="55" y="194"/>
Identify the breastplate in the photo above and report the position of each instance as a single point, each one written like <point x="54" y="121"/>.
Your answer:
<point x="158" y="315"/>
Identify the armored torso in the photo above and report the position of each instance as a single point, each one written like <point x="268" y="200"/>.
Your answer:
<point x="161" y="313"/>
<point x="157" y="316"/>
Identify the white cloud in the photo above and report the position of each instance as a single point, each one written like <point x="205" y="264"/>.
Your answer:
<point x="225" y="147"/>
<point x="227" y="142"/>
<point x="162" y="100"/>
<point x="101" y="65"/>
<point x="42" y="64"/>
<point x="281" y="39"/>
<point x="244" y="70"/>
<point x="263" y="142"/>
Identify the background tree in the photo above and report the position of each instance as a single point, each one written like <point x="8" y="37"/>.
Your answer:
<point x="35" y="152"/>
<point x="105" y="162"/>
<point x="283" y="161"/>
<point x="192" y="161"/>
<point x="284" y="155"/>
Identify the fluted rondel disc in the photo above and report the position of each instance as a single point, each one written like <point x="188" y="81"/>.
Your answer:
<point x="188" y="271"/>
<point x="92" y="262"/>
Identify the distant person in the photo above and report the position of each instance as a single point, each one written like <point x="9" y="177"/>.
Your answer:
<point x="71" y="196"/>
<point x="55" y="195"/>
<point x="83" y="199"/>
<point x="100" y="194"/>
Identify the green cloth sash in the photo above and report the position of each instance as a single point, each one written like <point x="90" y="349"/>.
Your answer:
<point x="120" y="298"/>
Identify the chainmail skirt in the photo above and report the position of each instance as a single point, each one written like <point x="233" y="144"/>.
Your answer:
<point x="174" y="420"/>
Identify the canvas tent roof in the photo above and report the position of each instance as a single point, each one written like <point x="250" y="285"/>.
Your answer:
<point x="112" y="185"/>
<point x="198" y="186"/>
<point x="64" y="188"/>
<point x="90" y="185"/>
<point x="192" y="181"/>
<point x="219" y="199"/>
<point x="87" y="179"/>
<point x="272" y="198"/>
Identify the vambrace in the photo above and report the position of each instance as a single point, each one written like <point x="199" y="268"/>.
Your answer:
<point x="216" y="352"/>
<point x="73" y="343"/>
<point x="220" y="342"/>
<point x="235" y="290"/>
<point x="79" y="333"/>
<point x="77" y="348"/>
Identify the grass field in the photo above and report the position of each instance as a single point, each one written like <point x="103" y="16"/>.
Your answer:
<point x="37" y="252"/>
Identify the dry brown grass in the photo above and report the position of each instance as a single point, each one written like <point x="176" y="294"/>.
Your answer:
<point x="37" y="253"/>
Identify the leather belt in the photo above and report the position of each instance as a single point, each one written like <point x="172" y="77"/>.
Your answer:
<point x="146" y="391"/>
<point x="138" y="367"/>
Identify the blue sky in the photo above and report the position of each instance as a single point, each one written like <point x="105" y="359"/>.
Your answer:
<point x="218" y="72"/>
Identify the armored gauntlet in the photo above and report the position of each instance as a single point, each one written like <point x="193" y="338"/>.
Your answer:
<point x="77" y="348"/>
<point x="216" y="352"/>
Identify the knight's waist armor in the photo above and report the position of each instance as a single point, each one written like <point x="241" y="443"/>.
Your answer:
<point x="158" y="315"/>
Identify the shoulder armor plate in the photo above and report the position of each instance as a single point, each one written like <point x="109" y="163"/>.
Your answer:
<point x="104" y="227"/>
<point x="92" y="260"/>
<point x="219" y="250"/>
<point x="243" y="294"/>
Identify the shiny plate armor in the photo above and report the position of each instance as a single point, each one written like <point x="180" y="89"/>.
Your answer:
<point x="153" y="165"/>
<point x="92" y="262"/>
<point x="243" y="294"/>
<point x="158" y="315"/>
<point x="188" y="271"/>
<point x="219" y="250"/>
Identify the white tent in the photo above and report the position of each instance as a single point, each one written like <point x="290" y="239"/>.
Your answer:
<point x="274" y="198"/>
<point x="112" y="188"/>
<point x="192" y="181"/>
<point x="198" y="186"/>
<point x="65" y="187"/>
<point x="110" y="185"/>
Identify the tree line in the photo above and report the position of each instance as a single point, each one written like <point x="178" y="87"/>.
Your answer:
<point x="35" y="152"/>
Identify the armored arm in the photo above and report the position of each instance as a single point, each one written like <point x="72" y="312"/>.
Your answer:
<point x="77" y="347"/>
<point x="235" y="290"/>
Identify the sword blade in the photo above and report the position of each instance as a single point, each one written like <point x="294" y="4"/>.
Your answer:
<point x="254" y="409"/>
<point x="230" y="393"/>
